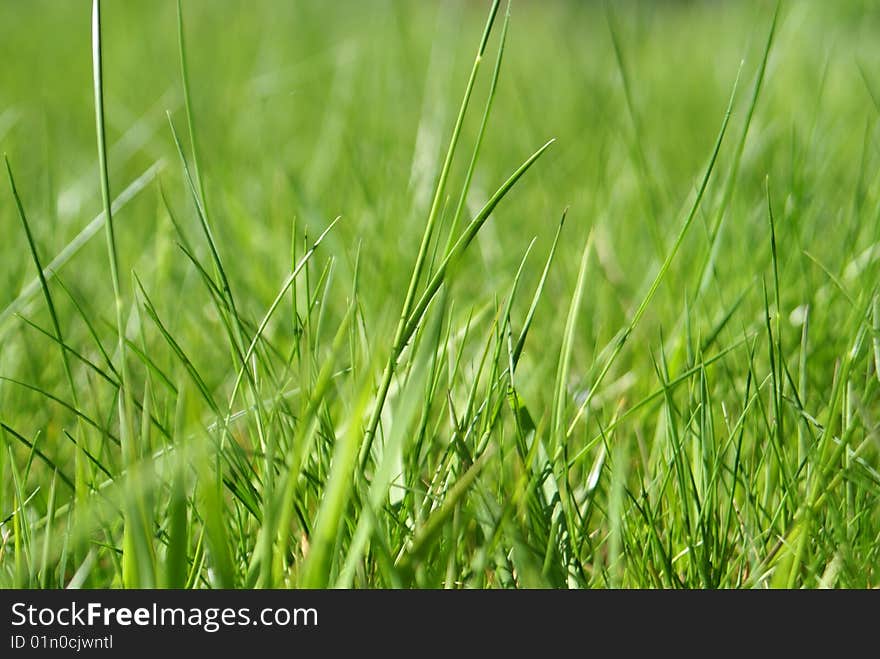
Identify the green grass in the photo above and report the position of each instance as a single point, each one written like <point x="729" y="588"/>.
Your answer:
<point x="446" y="295"/>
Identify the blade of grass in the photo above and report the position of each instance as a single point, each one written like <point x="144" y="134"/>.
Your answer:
<point x="79" y="460"/>
<point x="80" y="240"/>
<point x="137" y="550"/>
<point x="664" y="268"/>
<point x="400" y="339"/>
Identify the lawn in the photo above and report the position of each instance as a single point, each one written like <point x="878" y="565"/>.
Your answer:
<point x="598" y="307"/>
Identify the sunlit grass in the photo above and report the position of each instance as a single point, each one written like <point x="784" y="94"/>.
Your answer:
<point x="440" y="295"/>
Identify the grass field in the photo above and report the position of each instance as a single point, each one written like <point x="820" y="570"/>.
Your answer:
<point x="220" y="384"/>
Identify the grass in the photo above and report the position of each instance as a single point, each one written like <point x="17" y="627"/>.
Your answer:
<point x="602" y="312"/>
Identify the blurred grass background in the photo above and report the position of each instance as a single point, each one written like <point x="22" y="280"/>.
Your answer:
<point x="308" y="113"/>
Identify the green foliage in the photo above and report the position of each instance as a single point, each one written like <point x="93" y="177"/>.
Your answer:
<point x="337" y="336"/>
